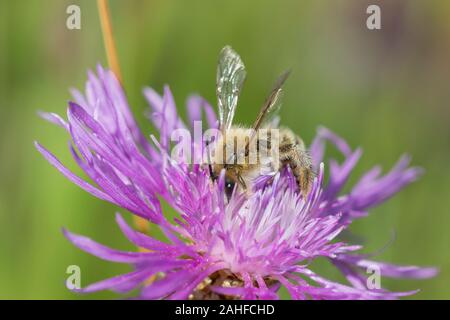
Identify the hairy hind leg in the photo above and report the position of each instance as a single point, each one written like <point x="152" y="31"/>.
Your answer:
<point x="294" y="154"/>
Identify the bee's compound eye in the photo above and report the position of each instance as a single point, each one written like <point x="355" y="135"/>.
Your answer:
<point x="229" y="187"/>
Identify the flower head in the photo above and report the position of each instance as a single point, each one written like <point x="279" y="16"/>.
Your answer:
<point x="244" y="247"/>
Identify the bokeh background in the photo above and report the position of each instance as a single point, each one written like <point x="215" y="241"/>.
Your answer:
<point x="386" y="91"/>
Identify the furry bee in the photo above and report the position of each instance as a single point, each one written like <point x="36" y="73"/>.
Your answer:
<point x="254" y="152"/>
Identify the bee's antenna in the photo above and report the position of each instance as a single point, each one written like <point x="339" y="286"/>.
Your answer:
<point x="241" y="181"/>
<point x="211" y="172"/>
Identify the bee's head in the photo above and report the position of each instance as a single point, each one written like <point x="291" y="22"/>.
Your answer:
<point x="233" y="177"/>
<point x="224" y="157"/>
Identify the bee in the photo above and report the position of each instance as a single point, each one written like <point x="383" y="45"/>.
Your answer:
<point x="254" y="153"/>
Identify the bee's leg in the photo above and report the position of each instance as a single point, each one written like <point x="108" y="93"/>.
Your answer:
<point x="293" y="153"/>
<point x="305" y="180"/>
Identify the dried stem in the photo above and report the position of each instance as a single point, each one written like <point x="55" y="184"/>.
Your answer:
<point x="110" y="45"/>
<point x="113" y="62"/>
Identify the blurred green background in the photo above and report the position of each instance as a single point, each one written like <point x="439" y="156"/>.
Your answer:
<point x="387" y="91"/>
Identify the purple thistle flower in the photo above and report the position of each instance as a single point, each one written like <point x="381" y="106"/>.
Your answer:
<point x="243" y="248"/>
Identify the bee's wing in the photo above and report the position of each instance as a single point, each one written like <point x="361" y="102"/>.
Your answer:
<point x="230" y="78"/>
<point x="272" y="105"/>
